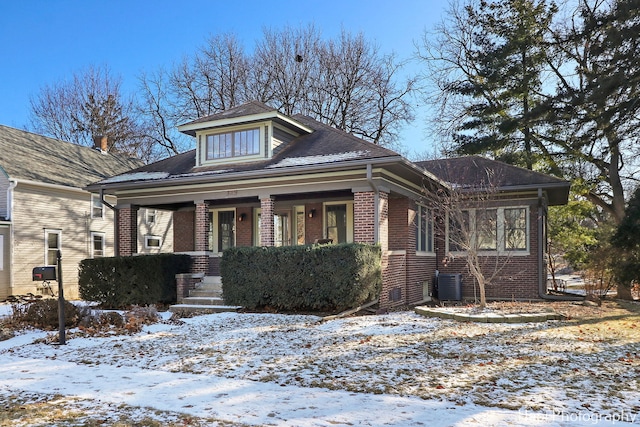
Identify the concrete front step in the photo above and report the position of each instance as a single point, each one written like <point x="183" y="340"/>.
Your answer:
<point x="204" y="300"/>
<point x="189" y="308"/>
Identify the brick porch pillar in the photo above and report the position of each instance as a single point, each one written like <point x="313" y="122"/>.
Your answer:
<point x="364" y="217"/>
<point x="127" y="230"/>
<point x="201" y="238"/>
<point x="267" y="237"/>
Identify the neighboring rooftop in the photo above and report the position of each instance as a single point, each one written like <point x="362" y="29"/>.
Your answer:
<point x="31" y="157"/>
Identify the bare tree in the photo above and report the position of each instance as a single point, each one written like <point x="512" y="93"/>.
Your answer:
<point x="475" y="230"/>
<point x="89" y="105"/>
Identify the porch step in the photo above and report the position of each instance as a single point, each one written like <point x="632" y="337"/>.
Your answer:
<point x="189" y="308"/>
<point x="205" y="297"/>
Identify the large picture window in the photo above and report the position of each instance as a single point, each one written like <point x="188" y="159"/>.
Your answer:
<point x="489" y="230"/>
<point x="233" y="144"/>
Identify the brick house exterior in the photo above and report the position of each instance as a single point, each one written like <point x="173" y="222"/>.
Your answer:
<point x="258" y="177"/>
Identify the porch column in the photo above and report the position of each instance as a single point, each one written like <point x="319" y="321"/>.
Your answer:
<point x="201" y="238"/>
<point x="127" y="230"/>
<point x="267" y="237"/>
<point x="371" y="218"/>
<point x="201" y="218"/>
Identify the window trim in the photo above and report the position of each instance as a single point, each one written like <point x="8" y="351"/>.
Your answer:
<point x="430" y="231"/>
<point x="232" y="132"/>
<point x="147" y="213"/>
<point x="47" y="249"/>
<point x="94" y="206"/>
<point x="92" y="246"/>
<point x="148" y="237"/>
<point x="501" y="234"/>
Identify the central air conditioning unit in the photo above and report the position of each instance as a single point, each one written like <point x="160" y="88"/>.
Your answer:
<point x="450" y="287"/>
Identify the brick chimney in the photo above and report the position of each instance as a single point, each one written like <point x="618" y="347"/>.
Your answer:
<point x="100" y="143"/>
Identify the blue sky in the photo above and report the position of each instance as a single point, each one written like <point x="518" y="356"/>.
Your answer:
<point x="44" y="41"/>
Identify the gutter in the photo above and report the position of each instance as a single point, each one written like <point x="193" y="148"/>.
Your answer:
<point x="230" y="176"/>
<point x="376" y="201"/>
<point x="13" y="183"/>
<point x="542" y="270"/>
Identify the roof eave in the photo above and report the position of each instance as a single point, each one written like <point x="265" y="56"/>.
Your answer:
<point x="191" y="128"/>
<point x="230" y="176"/>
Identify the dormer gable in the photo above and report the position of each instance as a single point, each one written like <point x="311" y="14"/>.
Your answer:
<point x="247" y="133"/>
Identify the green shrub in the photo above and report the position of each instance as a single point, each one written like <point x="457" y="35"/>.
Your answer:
<point x="318" y="277"/>
<point x="120" y="282"/>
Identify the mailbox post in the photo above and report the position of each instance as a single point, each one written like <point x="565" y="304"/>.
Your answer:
<point x="61" y="336"/>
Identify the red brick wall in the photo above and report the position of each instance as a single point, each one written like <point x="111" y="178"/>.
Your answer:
<point x="363" y="217"/>
<point x="313" y="226"/>
<point x="183" y="231"/>
<point x="127" y="219"/>
<point x="518" y="275"/>
<point x="266" y="230"/>
<point x="244" y="228"/>
<point x="201" y="223"/>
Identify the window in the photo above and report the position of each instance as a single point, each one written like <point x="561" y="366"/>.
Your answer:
<point x="97" y="245"/>
<point x="487" y="229"/>
<point x="152" y="242"/>
<point x="515" y="229"/>
<point x="233" y="144"/>
<point x="424" y="230"/>
<point x="458" y="231"/>
<point x="499" y="229"/>
<point x="52" y="239"/>
<point x="150" y="216"/>
<point x="97" y="208"/>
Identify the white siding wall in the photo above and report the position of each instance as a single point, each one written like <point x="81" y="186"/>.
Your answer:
<point x="162" y="228"/>
<point x="37" y="209"/>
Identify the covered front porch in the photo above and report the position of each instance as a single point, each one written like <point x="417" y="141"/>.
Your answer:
<point x="204" y="228"/>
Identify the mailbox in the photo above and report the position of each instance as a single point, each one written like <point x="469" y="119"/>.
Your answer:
<point x="44" y="273"/>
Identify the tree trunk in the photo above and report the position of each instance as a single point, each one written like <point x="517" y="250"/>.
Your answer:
<point x="624" y="292"/>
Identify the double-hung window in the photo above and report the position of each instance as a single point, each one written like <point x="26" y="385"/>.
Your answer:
<point x="97" y="244"/>
<point x="424" y="229"/>
<point x="52" y="244"/>
<point x="97" y="208"/>
<point x="233" y="144"/>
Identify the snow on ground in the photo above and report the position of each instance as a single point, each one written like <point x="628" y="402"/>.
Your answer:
<point x="398" y="369"/>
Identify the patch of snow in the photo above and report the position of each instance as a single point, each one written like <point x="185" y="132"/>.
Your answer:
<point x="398" y="369"/>
<point x="135" y="176"/>
<point x="314" y="160"/>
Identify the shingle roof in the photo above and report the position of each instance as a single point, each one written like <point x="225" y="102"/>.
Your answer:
<point x="32" y="157"/>
<point x="325" y="145"/>
<point x="477" y="172"/>
<point x="248" y="109"/>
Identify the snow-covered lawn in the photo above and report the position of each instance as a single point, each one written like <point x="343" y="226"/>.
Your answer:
<point x="397" y="369"/>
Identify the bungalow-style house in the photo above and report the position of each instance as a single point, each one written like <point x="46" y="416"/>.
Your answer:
<point x="259" y="177"/>
<point x="45" y="208"/>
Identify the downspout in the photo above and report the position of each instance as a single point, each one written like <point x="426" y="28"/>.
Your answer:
<point x="542" y="270"/>
<point x="115" y="222"/>
<point x="376" y="202"/>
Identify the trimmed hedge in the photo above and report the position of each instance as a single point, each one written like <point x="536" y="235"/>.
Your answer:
<point x="316" y="278"/>
<point x="119" y="282"/>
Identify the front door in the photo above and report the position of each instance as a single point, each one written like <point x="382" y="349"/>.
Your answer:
<point x="222" y="230"/>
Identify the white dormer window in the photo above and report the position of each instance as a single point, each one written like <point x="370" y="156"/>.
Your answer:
<point x="239" y="143"/>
